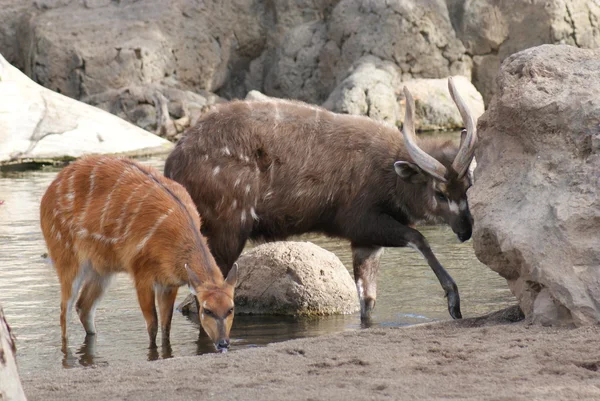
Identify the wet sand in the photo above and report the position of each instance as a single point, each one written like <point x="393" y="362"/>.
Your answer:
<point x="474" y="359"/>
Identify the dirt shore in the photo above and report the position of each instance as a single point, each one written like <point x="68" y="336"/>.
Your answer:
<point x="466" y="360"/>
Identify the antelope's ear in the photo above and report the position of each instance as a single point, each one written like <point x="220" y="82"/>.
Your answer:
<point x="410" y="172"/>
<point x="232" y="276"/>
<point x="193" y="279"/>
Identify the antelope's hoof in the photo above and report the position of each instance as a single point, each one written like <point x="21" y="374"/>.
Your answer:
<point x="454" y="305"/>
<point x="366" y="308"/>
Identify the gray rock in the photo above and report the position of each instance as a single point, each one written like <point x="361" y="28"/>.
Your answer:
<point x="491" y="30"/>
<point x="291" y="278"/>
<point x="161" y="108"/>
<point x="374" y="88"/>
<point x="536" y="201"/>
<point x="38" y="124"/>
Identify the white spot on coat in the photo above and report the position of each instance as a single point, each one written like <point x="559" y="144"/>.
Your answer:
<point x="247" y="189"/>
<point x="226" y="151"/>
<point x="253" y="214"/>
<point x="243" y="216"/>
<point x="216" y="170"/>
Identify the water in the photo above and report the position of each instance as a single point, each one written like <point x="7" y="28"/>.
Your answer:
<point x="408" y="293"/>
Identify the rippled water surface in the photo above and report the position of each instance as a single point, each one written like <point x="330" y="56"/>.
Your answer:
<point x="408" y="293"/>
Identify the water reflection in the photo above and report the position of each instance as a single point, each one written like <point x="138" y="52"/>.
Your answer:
<point x="408" y="293"/>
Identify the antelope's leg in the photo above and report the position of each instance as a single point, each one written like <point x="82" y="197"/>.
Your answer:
<point x="93" y="289"/>
<point x="145" y="293"/>
<point x="70" y="275"/>
<point x="166" y="300"/>
<point x="365" y="262"/>
<point x="383" y="230"/>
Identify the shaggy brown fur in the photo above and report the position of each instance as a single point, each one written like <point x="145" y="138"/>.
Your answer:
<point x="267" y="170"/>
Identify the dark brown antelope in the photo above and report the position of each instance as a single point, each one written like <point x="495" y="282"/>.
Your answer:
<point x="270" y="169"/>
<point x="105" y="215"/>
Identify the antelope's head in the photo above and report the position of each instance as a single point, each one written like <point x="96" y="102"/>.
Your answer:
<point x="444" y="194"/>
<point x="215" y="306"/>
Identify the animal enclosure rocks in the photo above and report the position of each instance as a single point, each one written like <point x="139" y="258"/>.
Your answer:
<point x="536" y="201"/>
<point x="291" y="278"/>
<point x="10" y="384"/>
<point x="491" y="30"/>
<point x="39" y="124"/>
<point x="374" y="88"/>
<point x="160" y="108"/>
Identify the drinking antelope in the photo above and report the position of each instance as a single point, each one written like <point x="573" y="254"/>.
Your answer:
<point x="104" y="215"/>
<point x="271" y="169"/>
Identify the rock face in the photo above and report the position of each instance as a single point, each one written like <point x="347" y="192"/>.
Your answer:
<point x="536" y="201"/>
<point x="491" y="30"/>
<point x="416" y="35"/>
<point x="293" y="278"/>
<point x="10" y="384"/>
<point x="38" y="124"/>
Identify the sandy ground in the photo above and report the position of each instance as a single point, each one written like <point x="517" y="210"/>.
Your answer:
<point x="468" y="360"/>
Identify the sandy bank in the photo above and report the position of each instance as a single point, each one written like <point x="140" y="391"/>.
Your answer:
<point x="451" y="360"/>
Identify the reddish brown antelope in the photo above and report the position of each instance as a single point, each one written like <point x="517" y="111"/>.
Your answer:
<point x="270" y="169"/>
<point x="105" y="215"/>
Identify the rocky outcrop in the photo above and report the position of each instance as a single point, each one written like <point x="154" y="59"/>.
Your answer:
<point x="37" y="124"/>
<point x="10" y="384"/>
<point x="160" y="108"/>
<point x="536" y="201"/>
<point x="291" y="278"/>
<point x="492" y="30"/>
<point x="374" y="88"/>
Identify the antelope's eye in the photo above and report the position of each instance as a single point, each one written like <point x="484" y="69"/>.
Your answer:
<point x="440" y="196"/>
<point x="229" y="312"/>
<point x="208" y="312"/>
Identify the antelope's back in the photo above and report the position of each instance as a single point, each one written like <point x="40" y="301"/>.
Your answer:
<point x="108" y="210"/>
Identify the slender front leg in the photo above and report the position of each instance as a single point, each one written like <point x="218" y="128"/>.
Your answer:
<point x="166" y="299"/>
<point x="383" y="230"/>
<point x="365" y="262"/>
<point x="145" y="293"/>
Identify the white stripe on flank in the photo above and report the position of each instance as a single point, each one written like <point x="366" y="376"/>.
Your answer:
<point x="70" y="195"/>
<point x="124" y="209"/>
<point x="253" y="214"/>
<point x="135" y="213"/>
<point x="226" y="151"/>
<point x="216" y="170"/>
<point x="89" y="196"/>
<point x="158" y="222"/>
<point x="243" y="216"/>
<point x="237" y="182"/>
<point x="247" y="189"/>
<point x="108" y="198"/>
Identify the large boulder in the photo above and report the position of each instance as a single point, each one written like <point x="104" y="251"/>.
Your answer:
<point x="37" y="124"/>
<point x="491" y="30"/>
<point x="536" y="201"/>
<point x="10" y="383"/>
<point x="374" y="88"/>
